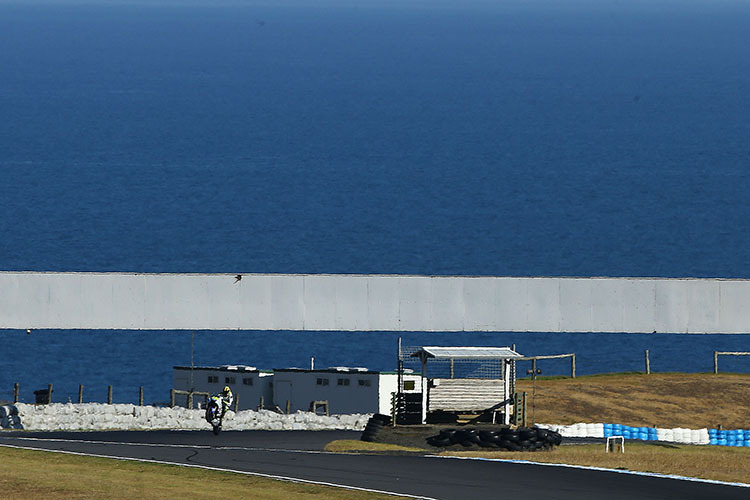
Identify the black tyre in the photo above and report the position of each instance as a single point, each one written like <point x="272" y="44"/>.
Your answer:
<point x="217" y="430"/>
<point x="373" y="428"/>
<point x="383" y="419"/>
<point x="554" y="437"/>
<point x="527" y="434"/>
<point x="488" y="436"/>
<point x="449" y="434"/>
<point x="467" y="444"/>
<point x="367" y="437"/>
<point x="510" y="445"/>
<point x="438" y="441"/>
<point x="512" y="436"/>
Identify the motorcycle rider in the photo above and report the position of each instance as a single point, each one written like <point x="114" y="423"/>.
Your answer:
<point x="223" y="400"/>
<point x="227" y="398"/>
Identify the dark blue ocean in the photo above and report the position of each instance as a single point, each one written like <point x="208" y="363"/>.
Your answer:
<point x="510" y="138"/>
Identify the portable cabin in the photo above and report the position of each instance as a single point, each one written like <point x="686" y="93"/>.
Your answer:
<point x="466" y="380"/>
<point x="344" y="389"/>
<point x="252" y="388"/>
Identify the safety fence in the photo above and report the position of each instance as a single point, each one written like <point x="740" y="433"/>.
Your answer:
<point x="44" y="396"/>
<point x="533" y="371"/>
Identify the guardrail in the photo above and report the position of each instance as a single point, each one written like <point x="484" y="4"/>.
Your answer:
<point x="534" y="359"/>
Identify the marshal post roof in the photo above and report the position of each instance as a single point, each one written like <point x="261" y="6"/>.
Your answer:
<point x="467" y="353"/>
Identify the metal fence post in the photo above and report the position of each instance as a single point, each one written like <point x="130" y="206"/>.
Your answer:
<point x="140" y="396"/>
<point x="80" y="393"/>
<point x="49" y="394"/>
<point x="716" y="361"/>
<point x="171" y="398"/>
<point x="109" y="395"/>
<point x="573" y="366"/>
<point x="648" y="364"/>
<point x="15" y="393"/>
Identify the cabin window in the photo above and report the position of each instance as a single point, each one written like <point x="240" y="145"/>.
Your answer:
<point x="229" y="380"/>
<point x="322" y="381"/>
<point x="364" y="382"/>
<point x="408" y="385"/>
<point x="247" y="381"/>
<point x="213" y="379"/>
<point x="343" y="381"/>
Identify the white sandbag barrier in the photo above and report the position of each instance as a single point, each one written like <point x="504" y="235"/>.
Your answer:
<point x="677" y="435"/>
<point x="96" y="417"/>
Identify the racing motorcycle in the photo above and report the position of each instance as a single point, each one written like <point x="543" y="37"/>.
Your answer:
<point x="213" y="414"/>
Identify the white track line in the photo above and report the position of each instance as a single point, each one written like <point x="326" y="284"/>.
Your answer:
<point x="246" y="473"/>
<point x="600" y="469"/>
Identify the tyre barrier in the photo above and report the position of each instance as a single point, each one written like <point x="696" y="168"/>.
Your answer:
<point x="521" y="439"/>
<point x="375" y="425"/>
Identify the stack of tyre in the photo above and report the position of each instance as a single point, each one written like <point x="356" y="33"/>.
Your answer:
<point x="374" y="426"/>
<point x="521" y="439"/>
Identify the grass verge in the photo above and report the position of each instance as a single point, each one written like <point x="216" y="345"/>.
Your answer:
<point x="667" y="400"/>
<point x="29" y="474"/>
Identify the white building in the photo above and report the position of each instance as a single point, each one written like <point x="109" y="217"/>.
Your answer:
<point x="347" y="390"/>
<point x="252" y="388"/>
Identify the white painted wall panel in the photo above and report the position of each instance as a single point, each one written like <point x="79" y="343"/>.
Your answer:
<point x="543" y="310"/>
<point x="287" y="304"/>
<point x="734" y="307"/>
<point x="702" y="306"/>
<point x="575" y="303"/>
<point x="351" y="304"/>
<point x="606" y="306"/>
<point x="511" y="304"/>
<point x="671" y="302"/>
<point x="480" y="299"/>
<point x="387" y="303"/>
<point x="320" y="302"/>
<point x="255" y="300"/>
<point x="383" y="303"/>
<point x="414" y="303"/>
<point x="447" y="305"/>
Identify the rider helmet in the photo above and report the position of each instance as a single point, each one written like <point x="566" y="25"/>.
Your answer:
<point x="226" y="390"/>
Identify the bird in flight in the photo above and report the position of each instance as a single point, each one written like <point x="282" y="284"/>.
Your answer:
<point x="237" y="278"/>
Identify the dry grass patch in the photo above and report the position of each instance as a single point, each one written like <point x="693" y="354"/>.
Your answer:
<point x="352" y="445"/>
<point x="691" y="400"/>
<point x="31" y="474"/>
<point x="705" y="462"/>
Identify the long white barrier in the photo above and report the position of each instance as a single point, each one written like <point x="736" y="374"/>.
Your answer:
<point x="96" y="416"/>
<point x="122" y="301"/>
<point x="676" y="435"/>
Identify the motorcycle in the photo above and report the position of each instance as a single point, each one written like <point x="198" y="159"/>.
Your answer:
<point x="213" y="414"/>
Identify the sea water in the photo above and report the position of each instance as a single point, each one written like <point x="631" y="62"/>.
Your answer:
<point x="534" y="138"/>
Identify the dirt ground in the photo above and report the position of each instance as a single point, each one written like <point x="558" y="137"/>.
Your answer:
<point x="664" y="400"/>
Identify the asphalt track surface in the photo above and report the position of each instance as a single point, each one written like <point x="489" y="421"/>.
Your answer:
<point x="298" y="455"/>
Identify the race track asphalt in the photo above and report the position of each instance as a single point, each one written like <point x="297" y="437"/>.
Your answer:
<point x="299" y="455"/>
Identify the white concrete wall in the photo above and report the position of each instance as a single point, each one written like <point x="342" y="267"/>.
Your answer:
<point x="301" y="387"/>
<point x="371" y="302"/>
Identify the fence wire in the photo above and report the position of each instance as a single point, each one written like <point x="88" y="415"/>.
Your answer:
<point x="451" y="368"/>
